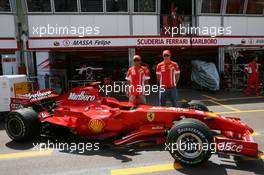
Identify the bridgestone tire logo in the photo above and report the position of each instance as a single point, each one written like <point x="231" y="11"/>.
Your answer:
<point x="81" y="97"/>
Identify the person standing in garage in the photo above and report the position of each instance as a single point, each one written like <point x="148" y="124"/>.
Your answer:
<point x="253" y="76"/>
<point x="137" y="77"/>
<point x="168" y="75"/>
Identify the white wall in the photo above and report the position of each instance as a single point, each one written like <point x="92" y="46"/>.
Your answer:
<point x="245" y="26"/>
<point x="109" y="24"/>
<point x="207" y="21"/>
<point x="7" y="23"/>
<point x="145" y="25"/>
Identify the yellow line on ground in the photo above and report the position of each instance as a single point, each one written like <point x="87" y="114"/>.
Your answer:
<point x="260" y="156"/>
<point x="210" y="97"/>
<point x="239" y="98"/>
<point x="204" y="100"/>
<point x="182" y="100"/>
<point x="255" y="133"/>
<point x="146" y="169"/>
<point x="228" y="99"/>
<point x="214" y="100"/>
<point x="25" y="154"/>
<point x="225" y="106"/>
<point x="241" y="111"/>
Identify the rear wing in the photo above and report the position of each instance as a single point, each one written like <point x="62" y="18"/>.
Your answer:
<point x="40" y="95"/>
<point x="25" y="100"/>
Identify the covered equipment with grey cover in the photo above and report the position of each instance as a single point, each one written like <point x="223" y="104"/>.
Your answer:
<point x="205" y="75"/>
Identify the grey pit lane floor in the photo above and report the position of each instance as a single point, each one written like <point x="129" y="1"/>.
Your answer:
<point x="17" y="158"/>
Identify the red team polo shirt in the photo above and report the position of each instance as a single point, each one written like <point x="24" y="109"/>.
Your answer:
<point x="167" y="72"/>
<point x="252" y="68"/>
<point x="137" y="77"/>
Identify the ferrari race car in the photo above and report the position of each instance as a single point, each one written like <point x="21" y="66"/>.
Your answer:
<point x="190" y="133"/>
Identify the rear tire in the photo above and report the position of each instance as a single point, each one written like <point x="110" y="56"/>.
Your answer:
<point x="23" y="125"/>
<point x="195" y="104"/>
<point x="189" y="136"/>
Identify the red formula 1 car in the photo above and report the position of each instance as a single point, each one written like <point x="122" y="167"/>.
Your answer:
<point x="190" y="133"/>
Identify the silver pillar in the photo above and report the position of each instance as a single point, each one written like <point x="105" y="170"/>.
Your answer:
<point x="221" y="60"/>
<point x="131" y="53"/>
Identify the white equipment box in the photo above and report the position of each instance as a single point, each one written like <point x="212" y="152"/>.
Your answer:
<point x="7" y="89"/>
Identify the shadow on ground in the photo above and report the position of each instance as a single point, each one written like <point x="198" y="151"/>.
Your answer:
<point x="81" y="147"/>
<point x="2" y="126"/>
<point x="126" y="155"/>
<point x="250" y="166"/>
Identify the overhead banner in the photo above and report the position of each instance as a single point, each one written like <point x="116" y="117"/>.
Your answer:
<point x="8" y="44"/>
<point x="147" y="42"/>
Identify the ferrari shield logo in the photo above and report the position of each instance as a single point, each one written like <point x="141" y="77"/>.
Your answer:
<point x="150" y="116"/>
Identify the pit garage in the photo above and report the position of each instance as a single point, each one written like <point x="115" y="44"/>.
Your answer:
<point x="63" y="67"/>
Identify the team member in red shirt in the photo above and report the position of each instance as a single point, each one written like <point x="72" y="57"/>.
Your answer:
<point x="253" y="76"/>
<point x="137" y="77"/>
<point x="168" y="74"/>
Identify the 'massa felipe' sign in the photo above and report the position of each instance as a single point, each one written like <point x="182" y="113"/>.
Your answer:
<point x="81" y="96"/>
<point x="88" y="43"/>
<point x="82" y="42"/>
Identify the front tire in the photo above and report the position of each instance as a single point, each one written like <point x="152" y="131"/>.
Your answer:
<point x="187" y="139"/>
<point x="23" y="125"/>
